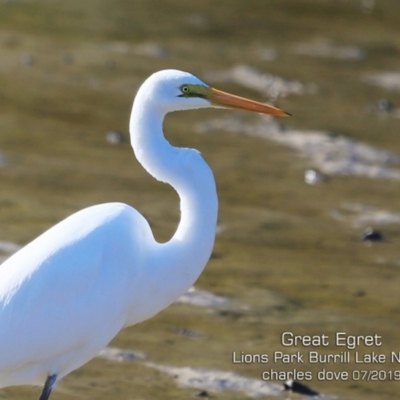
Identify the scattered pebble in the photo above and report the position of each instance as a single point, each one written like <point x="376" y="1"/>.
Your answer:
<point x="9" y="247"/>
<point x="189" y="333"/>
<point x="152" y="50"/>
<point x="115" y="354"/>
<point x="372" y="235"/>
<point x="361" y="215"/>
<point x="198" y="21"/>
<point x="67" y="59"/>
<point x="203" y="298"/>
<point x="115" y="137"/>
<point x="27" y="60"/>
<point x="111" y="65"/>
<point x="297" y="387"/>
<point x="3" y="161"/>
<point x="202" y="393"/>
<point x="367" y="6"/>
<point x="267" y="54"/>
<point x="327" y="49"/>
<point x="147" y="49"/>
<point x="313" y="177"/>
<point x="221" y="229"/>
<point x="385" y="80"/>
<point x="383" y="105"/>
<point x="360" y="293"/>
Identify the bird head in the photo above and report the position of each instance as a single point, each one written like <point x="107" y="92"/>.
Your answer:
<point x="173" y="90"/>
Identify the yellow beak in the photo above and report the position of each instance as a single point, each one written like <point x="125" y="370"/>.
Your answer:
<point x="224" y="99"/>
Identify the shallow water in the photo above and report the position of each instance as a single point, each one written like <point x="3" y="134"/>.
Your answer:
<point x="288" y="255"/>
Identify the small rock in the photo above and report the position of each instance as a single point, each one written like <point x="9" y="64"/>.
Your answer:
<point x="111" y="65"/>
<point x="372" y="235"/>
<point x="115" y="137"/>
<point x="360" y="293"/>
<point x="189" y="333"/>
<point x="203" y="393"/>
<point x="27" y="60"/>
<point x="116" y="354"/>
<point x="383" y="106"/>
<point x="367" y="6"/>
<point x="67" y="59"/>
<point x="313" y="177"/>
<point x="297" y="387"/>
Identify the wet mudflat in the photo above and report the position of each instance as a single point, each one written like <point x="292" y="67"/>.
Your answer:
<point x="289" y="255"/>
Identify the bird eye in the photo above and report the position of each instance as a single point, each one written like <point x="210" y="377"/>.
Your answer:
<point x="185" y="89"/>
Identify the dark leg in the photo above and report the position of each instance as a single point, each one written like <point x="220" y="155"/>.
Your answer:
<point x="50" y="381"/>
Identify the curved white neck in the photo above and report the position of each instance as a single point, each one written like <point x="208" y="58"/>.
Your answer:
<point x="182" y="259"/>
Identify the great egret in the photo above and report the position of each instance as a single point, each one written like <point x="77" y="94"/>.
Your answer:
<point x="65" y="295"/>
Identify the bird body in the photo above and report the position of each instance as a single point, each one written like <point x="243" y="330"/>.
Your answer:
<point x="70" y="310"/>
<point x="65" y="295"/>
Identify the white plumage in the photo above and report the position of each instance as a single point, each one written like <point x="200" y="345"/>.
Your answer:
<point x="65" y="295"/>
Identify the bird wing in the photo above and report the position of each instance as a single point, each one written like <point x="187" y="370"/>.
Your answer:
<point x="62" y="292"/>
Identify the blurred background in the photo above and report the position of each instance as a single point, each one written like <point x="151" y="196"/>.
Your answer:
<point x="308" y="236"/>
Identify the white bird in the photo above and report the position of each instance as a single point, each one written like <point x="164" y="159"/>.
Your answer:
<point x="65" y="295"/>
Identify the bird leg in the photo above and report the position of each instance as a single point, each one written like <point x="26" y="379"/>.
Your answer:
<point x="50" y="381"/>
